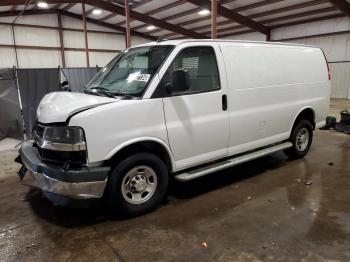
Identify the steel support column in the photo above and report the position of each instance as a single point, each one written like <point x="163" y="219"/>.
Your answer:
<point x="85" y="36"/>
<point x="127" y="24"/>
<point x="213" y="18"/>
<point x="60" y="31"/>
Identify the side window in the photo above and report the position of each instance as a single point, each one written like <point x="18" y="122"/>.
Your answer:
<point x="199" y="68"/>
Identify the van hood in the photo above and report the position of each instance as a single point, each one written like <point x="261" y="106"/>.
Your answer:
<point x="58" y="106"/>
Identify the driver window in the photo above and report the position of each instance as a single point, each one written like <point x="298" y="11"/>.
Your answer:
<point x="200" y="67"/>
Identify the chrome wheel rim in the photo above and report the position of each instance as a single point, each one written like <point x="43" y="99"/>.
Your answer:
<point x="139" y="184"/>
<point x="303" y="138"/>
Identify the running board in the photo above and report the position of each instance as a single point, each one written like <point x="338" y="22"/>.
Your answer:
<point x="202" y="171"/>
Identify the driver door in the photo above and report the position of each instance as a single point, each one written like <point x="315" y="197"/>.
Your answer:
<point x="196" y="117"/>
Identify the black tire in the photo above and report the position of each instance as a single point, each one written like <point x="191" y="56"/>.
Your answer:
<point x="296" y="152"/>
<point x="117" y="203"/>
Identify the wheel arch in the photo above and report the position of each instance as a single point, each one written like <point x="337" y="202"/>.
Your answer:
<point x="143" y="144"/>
<point x="305" y="113"/>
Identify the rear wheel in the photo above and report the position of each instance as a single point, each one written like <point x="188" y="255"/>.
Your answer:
<point x="137" y="184"/>
<point x="301" y="138"/>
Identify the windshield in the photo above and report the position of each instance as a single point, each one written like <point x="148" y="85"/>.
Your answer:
<point x="130" y="72"/>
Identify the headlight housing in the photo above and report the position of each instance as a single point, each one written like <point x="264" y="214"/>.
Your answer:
<point x="61" y="144"/>
<point x="64" y="138"/>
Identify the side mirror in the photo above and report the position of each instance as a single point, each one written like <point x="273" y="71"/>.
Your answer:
<point x="180" y="82"/>
<point x="64" y="86"/>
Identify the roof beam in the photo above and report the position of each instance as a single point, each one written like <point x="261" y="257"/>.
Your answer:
<point x="225" y="12"/>
<point x="283" y="18"/>
<point x="76" y="16"/>
<point x="144" y="18"/>
<point x="178" y="15"/>
<point x="107" y="17"/>
<point x="342" y="5"/>
<point x="23" y="2"/>
<point x="256" y="5"/>
<point x="89" y="12"/>
<point x="28" y="12"/>
<point x="316" y="19"/>
<point x="142" y="2"/>
<point x="135" y="5"/>
<point x="239" y="9"/>
<point x="104" y="24"/>
<point x="158" y="10"/>
<point x="69" y="6"/>
<point x="56" y="6"/>
<point x="272" y="12"/>
<point x="310" y="20"/>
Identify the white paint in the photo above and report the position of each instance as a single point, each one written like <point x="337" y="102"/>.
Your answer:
<point x="267" y="86"/>
<point x="58" y="106"/>
<point x="132" y="119"/>
<point x="335" y="47"/>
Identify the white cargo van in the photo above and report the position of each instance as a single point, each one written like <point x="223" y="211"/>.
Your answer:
<point x="181" y="108"/>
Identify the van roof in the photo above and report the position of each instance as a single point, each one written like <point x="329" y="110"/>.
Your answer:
<point x="180" y="41"/>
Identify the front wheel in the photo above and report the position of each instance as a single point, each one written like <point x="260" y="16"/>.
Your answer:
<point x="137" y="184"/>
<point x="301" y="139"/>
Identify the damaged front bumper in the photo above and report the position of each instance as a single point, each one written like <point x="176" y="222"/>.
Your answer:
<point x="78" y="183"/>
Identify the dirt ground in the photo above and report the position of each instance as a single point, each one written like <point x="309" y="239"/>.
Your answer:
<point x="267" y="209"/>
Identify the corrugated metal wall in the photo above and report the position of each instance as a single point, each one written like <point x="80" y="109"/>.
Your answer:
<point x="50" y="38"/>
<point x="340" y="76"/>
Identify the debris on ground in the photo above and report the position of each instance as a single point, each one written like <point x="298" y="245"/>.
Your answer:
<point x="249" y="198"/>
<point x="298" y="180"/>
<point x="308" y="183"/>
<point x="269" y="244"/>
<point x="204" y="244"/>
<point x="342" y="126"/>
<point x="30" y="246"/>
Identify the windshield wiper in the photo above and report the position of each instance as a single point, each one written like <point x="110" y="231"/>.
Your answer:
<point x="127" y="96"/>
<point x="100" y="91"/>
<point x="88" y="91"/>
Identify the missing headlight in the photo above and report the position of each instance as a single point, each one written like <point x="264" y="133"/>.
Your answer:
<point x="62" y="144"/>
<point x="64" y="134"/>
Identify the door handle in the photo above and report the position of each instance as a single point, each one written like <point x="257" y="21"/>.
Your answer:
<point x="224" y="102"/>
